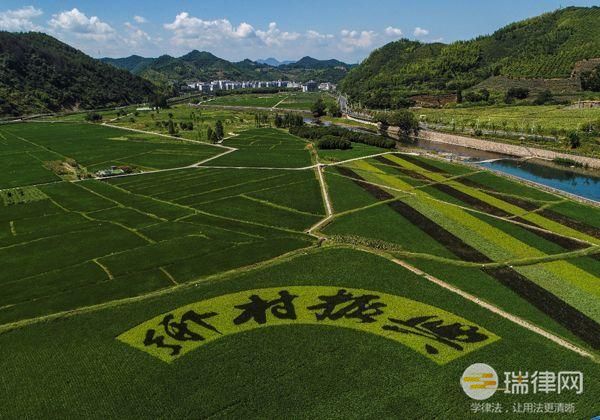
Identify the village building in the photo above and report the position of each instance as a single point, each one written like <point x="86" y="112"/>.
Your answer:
<point x="310" y="86"/>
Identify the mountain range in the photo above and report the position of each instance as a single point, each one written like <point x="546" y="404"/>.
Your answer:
<point x="204" y="66"/>
<point x="548" y="46"/>
<point x="560" y="49"/>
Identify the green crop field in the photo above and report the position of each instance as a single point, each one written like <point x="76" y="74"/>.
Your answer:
<point x="285" y="100"/>
<point x="252" y="100"/>
<point x="200" y="118"/>
<point x="523" y="117"/>
<point x="546" y="126"/>
<point x="232" y="280"/>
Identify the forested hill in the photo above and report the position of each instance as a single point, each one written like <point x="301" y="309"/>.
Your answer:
<point x="38" y="74"/>
<point x="547" y="46"/>
<point x="204" y="66"/>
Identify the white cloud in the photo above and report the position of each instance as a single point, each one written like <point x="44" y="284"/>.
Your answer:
<point x="192" y="31"/>
<point x="357" y="40"/>
<point x="136" y="37"/>
<point x="232" y="41"/>
<point x="241" y="40"/>
<point x="313" y="39"/>
<point x="420" y="32"/>
<point x="99" y="38"/>
<point x="391" y="31"/>
<point x="20" y="19"/>
<point x="274" y="36"/>
<point x="312" y="34"/>
<point x="77" y="23"/>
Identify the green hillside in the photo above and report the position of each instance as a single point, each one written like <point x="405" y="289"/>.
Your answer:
<point x="546" y="46"/>
<point x="133" y="63"/>
<point x="38" y="74"/>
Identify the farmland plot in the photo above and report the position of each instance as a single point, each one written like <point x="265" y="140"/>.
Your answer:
<point x="235" y="280"/>
<point x="29" y="149"/>
<point x="301" y="359"/>
<point x="266" y="147"/>
<point x="459" y="221"/>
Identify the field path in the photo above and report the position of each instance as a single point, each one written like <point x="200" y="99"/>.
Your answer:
<point x="277" y="104"/>
<point x="313" y="230"/>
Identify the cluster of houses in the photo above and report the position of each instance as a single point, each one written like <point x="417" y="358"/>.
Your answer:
<point x="216" y="85"/>
<point x="114" y="171"/>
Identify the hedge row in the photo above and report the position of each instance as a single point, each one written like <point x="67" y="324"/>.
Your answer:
<point x="332" y="142"/>
<point x="315" y="133"/>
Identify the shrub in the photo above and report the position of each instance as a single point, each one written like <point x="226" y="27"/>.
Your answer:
<point x="93" y="117"/>
<point x="567" y="162"/>
<point x="543" y="98"/>
<point x="482" y="96"/>
<point x="219" y="131"/>
<point x="574" y="139"/>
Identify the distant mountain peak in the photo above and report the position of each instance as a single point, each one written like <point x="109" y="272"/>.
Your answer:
<point x="273" y="61"/>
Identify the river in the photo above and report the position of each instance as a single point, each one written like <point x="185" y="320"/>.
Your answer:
<point x="577" y="181"/>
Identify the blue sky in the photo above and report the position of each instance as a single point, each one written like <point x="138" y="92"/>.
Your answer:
<point x="236" y="29"/>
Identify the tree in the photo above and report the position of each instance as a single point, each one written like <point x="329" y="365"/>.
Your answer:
<point x="318" y="108"/>
<point x="171" y="128"/>
<point x="159" y="101"/>
<point x="333" y="142"/>
<point x="574" y="139"/>
<point x="543" y="98"/>
<point x="93" y="117"/>
<point x="219" y="133"/>
<point x="403" y="119"/>
<point x="590" y="80"/>
<point x="279" y="122"/>
<point x="515" y="93"/>
<point x="334" y="110"/>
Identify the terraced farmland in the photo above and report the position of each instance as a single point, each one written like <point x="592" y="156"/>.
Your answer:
<point x="386" y="274"/>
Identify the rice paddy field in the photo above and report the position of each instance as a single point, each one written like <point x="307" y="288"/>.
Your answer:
<point x="265" y="278"/>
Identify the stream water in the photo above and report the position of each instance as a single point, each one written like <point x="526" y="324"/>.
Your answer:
<point x="582" y="183"/>
<point x="577" y="181"/>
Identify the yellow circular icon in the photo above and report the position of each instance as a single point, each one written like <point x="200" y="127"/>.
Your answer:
<point x="479" y="381"/>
